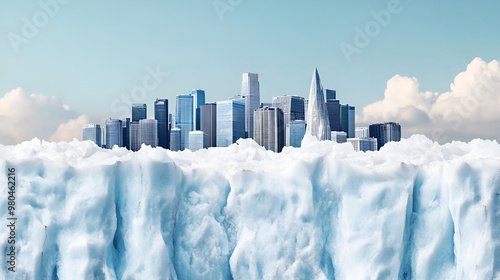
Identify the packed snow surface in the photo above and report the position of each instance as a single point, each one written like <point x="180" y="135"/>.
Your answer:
<point x="414" y="210"/>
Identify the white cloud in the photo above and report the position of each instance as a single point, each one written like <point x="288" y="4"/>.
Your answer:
<point x="23" y="117"/>
<point x="69" y="130"/>
<point x="471" y="109"/>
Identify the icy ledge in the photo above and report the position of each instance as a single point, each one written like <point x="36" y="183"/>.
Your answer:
<point x="414" y="210"/>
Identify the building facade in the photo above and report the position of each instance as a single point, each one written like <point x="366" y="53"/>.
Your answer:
<point x="208" y="124"/>
<point x="339" y="136"/>
<point x="197" y="140"/>
<point x="114" y="133"/>
<point x="296" y="131"/>
<point x="293" y="110"/>
<point x="347" y="119"/>
<point x="175" y="139"/>
<point x="139" y="112"/>
<point x="148" y="132"/>
<point x="269" y="128"/>
<point x="230" y="121"/>
<point x="162" y="117"/>
<point x="250" y="90"/>
<point x="318" y="124"/>
<point x="184" y="117"/>
<point x="93" y="133"/>
<point x="361" y="132"/>
<point x="385" y="132"/>
<point x="363" y="144"/>
<point x="198" y="100"/>
<point x="135" y="141"/>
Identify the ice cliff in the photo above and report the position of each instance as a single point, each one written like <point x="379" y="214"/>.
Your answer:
<point x="414" y="210"/>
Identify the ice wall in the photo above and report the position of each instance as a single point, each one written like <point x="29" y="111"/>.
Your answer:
<point x="414" y="210"/>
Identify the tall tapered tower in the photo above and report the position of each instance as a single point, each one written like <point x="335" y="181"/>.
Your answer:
<point x="317" y="115"/>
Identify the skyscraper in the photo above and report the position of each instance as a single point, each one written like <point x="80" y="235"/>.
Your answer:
<point x="385" y="132"/>
<point x="363" y="144"/>
<point x="250" y="90"/>
<point x="330" y="94"/>
<point x="333" y="108"/>
<point x="135" y="141"/>
<point x="347" y="120"/>
<point x="361" y="132"/>
<point x="230" y="121"/>
<point x="139" y="112"/>
<point x="126" y="132"/>
<point x="317" y="116"/>
<point x="293" y="109"/>
<point x="148" y="132"/>
<point x="296" y="130"/>
<point x="175" y="139"/>
<point x="208" y="116"/>
<point x="269" y="128"/>
<point x="114" y="133"/>
<point x="339" y="136"/>
<point x="162" y="117"/>
<point x="184" y="117"/>
<point x="198" y="100"/>
<point x="92" y="132"/>
<point x="197" y="140"/>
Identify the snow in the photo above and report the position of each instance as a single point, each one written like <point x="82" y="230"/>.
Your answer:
<point x="413" y="210"/>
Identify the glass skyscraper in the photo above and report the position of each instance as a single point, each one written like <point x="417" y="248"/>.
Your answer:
<point x="92" y="132"/>
<point x="184" y="117"/>
<point x="198" y="100"/>
<point x="250" y="90"/>
<point x="197" y="140"/>
<point x="162" y="117"/>
<point x="114" y="133"/>
<point x="361" y="132"/>
<point x="333" y="108"/>
<point x="126" y="132"/>
<point x="347" y="120"/>
<point x="385" y="132"/>
<point x="363" y="144"/>
<point x="318" y="124"/>
<point x="208" y="125"/>
<point x="139" y="112"/>
<point x="293" y="109"/>
<point x="330" y="94"/>
<point x="269" y="128"/>
<point x="135" y="141"/>
<point x="297" y="130"/>
<point x="175" y="139"/>
<point x="148" y="132"/>
<point x="230" y="121"/>
<point x="339" y="136"/>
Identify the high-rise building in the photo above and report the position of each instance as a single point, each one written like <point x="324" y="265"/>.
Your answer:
<point x="330" y="94"/>
<point x="293" y="109"/>
<point x="135" y="141"/>
<point x="93" y="133"/>
<point x="269" y="128"/>
<point x="306" y="106"/>
<point x="208" y="124"/>
<point x="363" y="144"/>
<point x="162" y="117"/>
<point x="148" y="132"/>
<point x="250" y="90"/>
<point x="362" y="132"/>
<point x="139" y="112"/>
<point x="198" y="100"/>
<point x="175" y="139"/>
<point x="317" y="116"/>
<point x="333" y="108"/>
<point x="170" y="122"/>
<point x="126" y="132"/>
<point x="385" y="132"/>
<point x="114" y="133"/>
<point x="197" y="140"/>
<point x="230" y="121"/>
<point x="184" y="117"/>
<point x="296" y="130"/>
<point x="339" y="136"/>
<point x="347" y="120"/>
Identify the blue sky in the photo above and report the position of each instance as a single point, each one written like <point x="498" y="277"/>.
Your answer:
<point x="92" y="52"/>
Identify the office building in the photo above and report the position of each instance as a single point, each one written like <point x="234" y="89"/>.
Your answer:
<point x="318" y="124"/>
<point x="184" y="117"/>
<point x="93" y="133"/>
<point x="330" y="94"/>
<point x="135" y="141"/>
<point x="197" y="140"/>
<point x="363" y="144"/>
<point x="126" y="132"/>
<point x="162" y="117"/>
<point x="339" y="136"/>
<point x="296" y="131"/>
<point x="198" y="100"/>
<point x="114" y="133"/>
<point x="148" y="132"/>
<point x="230" y="121"/>
<point x="251" y="92"/>
<point x="293" y="109"/>
<point x="385" y="132"/>
<point x="347" y="120"/>
<point x="139" y="112"/>
<point x="175" y="139"/>
<point x="361" y="132"/>
<point x="333" y="108"/>
<point x="208" y="116"/>
<point x="269" y="128"/>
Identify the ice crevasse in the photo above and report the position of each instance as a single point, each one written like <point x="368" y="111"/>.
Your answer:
<point x="413" y="210"/>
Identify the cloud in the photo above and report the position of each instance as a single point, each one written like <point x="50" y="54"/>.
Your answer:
<point x="70" y="130"/>
<point x="471" y="109"/>
<point x="23" y="117"/>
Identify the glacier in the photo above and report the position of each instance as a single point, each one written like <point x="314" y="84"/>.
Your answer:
<point x="413" y="210"/>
